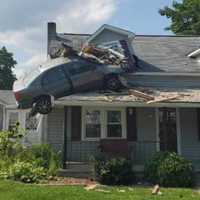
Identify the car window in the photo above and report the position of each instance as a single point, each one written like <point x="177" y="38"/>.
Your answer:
<point x="53" y="75"/>
<point x="79" y="67"/>
<point x="29" y="77"/>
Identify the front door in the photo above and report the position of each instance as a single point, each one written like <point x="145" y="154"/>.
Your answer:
<point x="168" y="129"/>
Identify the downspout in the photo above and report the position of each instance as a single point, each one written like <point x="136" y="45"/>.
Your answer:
<point x="65" y="138"/>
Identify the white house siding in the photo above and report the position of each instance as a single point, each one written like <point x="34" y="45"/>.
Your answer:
<point x="55" y="129"/>
<point x="190" y="145"/>
<point x="108" y="36"/>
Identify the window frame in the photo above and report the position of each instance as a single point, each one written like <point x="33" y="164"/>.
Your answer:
<point x="103" y="123"/>
<point x="21" y="119"/>
<point x="114" y="123"/>
<point x="8" y="113"/>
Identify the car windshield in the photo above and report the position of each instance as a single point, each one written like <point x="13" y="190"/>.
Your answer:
<point x="29" y="77"/>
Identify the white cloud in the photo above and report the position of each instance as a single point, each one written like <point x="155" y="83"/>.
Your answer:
<point x="71" y="16"/>
<point x="85" y="16"/>
<point x="28" y="39"/>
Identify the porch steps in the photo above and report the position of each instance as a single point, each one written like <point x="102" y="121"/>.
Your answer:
<point x="78" y="170"/>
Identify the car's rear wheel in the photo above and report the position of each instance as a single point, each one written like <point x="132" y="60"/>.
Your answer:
<point x="112" y="82"/>
<point x="43" y="105"/>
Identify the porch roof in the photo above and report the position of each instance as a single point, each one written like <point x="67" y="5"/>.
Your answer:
<point x="139" y="96"/>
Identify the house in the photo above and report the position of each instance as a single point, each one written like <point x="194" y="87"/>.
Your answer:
<point x="10" y="115"/>
<point x="160" y="111"/>
<point x="168" y="71"/>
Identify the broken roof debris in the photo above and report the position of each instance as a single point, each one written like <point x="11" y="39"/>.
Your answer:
<point x="142" y="95"/>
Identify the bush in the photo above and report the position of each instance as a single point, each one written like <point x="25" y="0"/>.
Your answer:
<point x="26" y="172"/>
<point x="25" y="164"/>
<point x="169" y="170"/>
<point x="43" y="156"/>
<point x="117" y="171"/>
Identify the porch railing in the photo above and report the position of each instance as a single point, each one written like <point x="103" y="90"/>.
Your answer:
<point x="82" y="151"/>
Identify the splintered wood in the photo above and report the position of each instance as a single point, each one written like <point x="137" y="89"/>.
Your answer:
<point x="141" y="95"/>
<point x="156" y="190"/>
<point x="163" y="99"/>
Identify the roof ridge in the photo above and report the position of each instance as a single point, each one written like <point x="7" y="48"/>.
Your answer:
<point x="137" y="35"/>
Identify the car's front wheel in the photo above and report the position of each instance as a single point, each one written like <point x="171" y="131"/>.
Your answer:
<point x="112" y="82"/>
<point x="43" y="105"/>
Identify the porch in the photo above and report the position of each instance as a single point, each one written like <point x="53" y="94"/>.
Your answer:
<point x="144" y="132"/>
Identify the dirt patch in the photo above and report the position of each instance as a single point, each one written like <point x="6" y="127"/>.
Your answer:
<point x="69" y="181"/>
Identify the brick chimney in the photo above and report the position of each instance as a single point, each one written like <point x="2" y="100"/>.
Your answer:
<point x="51" y="34"/>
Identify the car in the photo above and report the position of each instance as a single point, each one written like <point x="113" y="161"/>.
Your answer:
<point x="61" y="77"/>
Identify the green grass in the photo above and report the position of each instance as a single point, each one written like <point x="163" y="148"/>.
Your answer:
<point x="10" y="190"/>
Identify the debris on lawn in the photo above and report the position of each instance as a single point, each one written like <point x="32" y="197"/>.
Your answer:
<point x="120" y="190"/>
<point x="102" y="190"/>
<point x="70" y="181"/>
<point x="130" y="189"/>
<point x="156" y="190"/>
<point x="90" y="186"/>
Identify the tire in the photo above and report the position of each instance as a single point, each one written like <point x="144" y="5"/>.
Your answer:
<point x="112" y="82"/>
<point x="43" y="105"/>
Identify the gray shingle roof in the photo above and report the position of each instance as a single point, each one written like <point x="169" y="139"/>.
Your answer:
<point x="166" y="53"/>
<point x="157" y="53"/>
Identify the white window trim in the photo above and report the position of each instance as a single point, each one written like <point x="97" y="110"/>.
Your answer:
<point x="83" y="131"/>
<point x="20" y="117"/>
<point x="123" y="123"/>
<point x="103" y="120"/>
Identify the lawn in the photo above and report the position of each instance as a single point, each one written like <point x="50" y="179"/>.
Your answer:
<point x="17" y="191"/>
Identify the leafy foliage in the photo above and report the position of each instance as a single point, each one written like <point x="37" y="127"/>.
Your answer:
<point x="26" y="172"/>
<point x="170" y="170"/>
<point x="117" y="171"/>
<point x="185" y="17"/>
<point x="7" y="64"/>
<point x="25" y="164"/>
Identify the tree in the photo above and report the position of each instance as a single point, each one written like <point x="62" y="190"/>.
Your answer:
<point x="185" y="17"/>
<point x="7" y="64"/>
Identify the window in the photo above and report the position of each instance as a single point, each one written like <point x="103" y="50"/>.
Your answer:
<point x="13" y="118"/>
<point x="32" y="122"/>
<point x="103" y="123"/>
<point x="93" y="124"/>
<point x="53" y="75"/>
<point x="79" y="67"/>
<point x="114" y="127"/>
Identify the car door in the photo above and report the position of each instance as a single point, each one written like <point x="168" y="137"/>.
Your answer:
<point x="56" y="83"/>
<point x="84" y="75"/>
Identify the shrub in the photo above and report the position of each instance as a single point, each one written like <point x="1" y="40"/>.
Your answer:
<point x="9" y="145"/>
<point x="44" y="156"/>
<point x="117" y="171"/>
<point x="170" y="170"/>
<point x="25" y="164"/>
<point x="26" y="172"/>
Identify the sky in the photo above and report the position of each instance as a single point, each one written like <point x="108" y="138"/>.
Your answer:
<point x="23" y="28"/>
